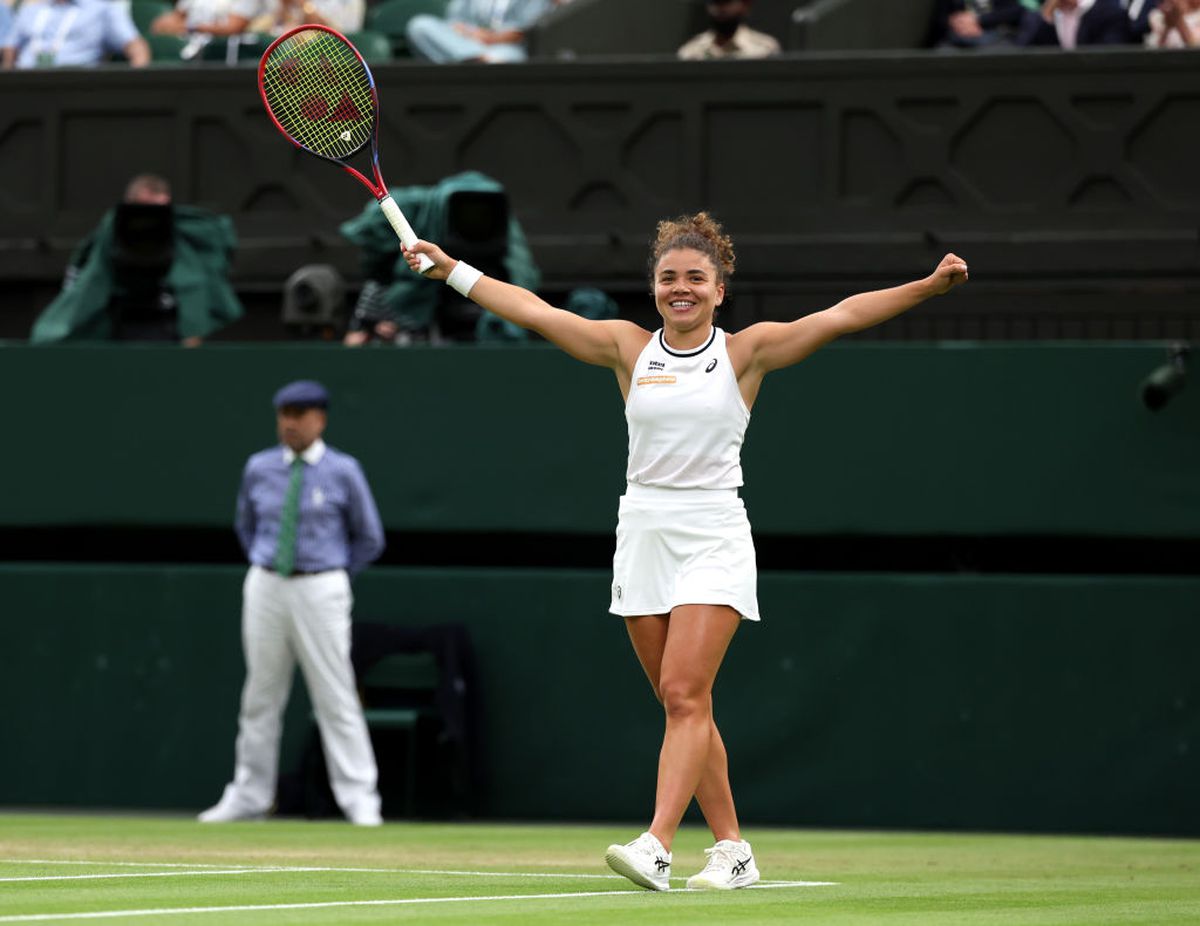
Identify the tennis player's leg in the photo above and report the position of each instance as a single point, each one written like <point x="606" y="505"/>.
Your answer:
<point x="697" y="638"/>
<point x="687" y="648"/>
<point x="713" y="793"/>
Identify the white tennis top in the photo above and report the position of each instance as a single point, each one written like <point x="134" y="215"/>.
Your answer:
<point x="686" y="416"/>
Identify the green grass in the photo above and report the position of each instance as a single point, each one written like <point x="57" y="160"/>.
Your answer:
<point x="889" y="878"/>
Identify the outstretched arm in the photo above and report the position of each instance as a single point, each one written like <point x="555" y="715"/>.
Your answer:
<point x="772" y="345"/>
<point x="602" y="342"/>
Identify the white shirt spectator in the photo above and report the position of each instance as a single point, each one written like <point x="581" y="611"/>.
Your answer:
<point x="745" y="43"/>
<point x="1066" y="22"/>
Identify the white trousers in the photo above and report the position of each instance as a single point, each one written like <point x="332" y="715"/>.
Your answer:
<point x="303" y="619"/>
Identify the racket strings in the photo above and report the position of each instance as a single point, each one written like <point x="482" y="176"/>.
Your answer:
<point x="320" y="93"/>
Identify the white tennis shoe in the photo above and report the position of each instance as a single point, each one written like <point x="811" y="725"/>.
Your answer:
<point x="730" y="865"/>
<point x="644" y="862"/>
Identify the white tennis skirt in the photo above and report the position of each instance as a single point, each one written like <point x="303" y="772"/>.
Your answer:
<point x="683" y="546"/>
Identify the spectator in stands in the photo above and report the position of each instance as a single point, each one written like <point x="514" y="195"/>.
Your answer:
<point x="1077" y="23"/>
<point x="307" y="522"/>
<point x="210" y="18"/>
<point x="156" y="272"/>
<point x="1066" y="23"/>
<point x="6" y="18"/>
<point x="476" y="30"/>
<point x="728" y="36"/>
<point x="72" y="33"/>
<point x="1175" y="24"/>
<point x="198" y="17"/>
<point x="281" y="15"/>
<point x="982" y="23"/>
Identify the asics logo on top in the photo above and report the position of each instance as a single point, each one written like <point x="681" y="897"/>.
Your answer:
<point x="657" y="365"/>
<point x="740" y="867"/>
<point x="711" y="366"/>
<point x="661" y="864"/>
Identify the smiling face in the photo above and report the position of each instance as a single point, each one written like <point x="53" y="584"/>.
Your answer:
<point x="687" y="290"/>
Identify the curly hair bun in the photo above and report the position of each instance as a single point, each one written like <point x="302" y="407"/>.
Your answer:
<point x="700" y="232"/>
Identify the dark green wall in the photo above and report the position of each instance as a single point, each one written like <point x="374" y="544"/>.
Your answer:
<point x="880" y="439"/>
<point x="921" y="701"/>
<point x="1055" y="702"/>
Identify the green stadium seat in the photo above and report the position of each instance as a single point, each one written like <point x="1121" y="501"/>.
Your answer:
<point x="375" y="47"/>
<point x="396" y="693"/>
<point x="165" y="50"/>
<point x="144" y="12"/>
<point x="391" y="17"/>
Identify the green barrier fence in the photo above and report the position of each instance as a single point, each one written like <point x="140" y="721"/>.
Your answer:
<point x="1045" y="439"/>
<point x="1008" y="702"/>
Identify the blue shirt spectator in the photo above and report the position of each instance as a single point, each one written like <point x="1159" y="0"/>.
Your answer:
<point x="339" y="525"/>
<point x="492" y="31"/>
<point x="6" y="18"/>
<point x="72" y="33"/>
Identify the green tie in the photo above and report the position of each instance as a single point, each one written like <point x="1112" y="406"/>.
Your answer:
<point x="285" y="553"/>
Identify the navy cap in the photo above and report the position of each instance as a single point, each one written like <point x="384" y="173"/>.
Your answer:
<point x="304" y="393"/>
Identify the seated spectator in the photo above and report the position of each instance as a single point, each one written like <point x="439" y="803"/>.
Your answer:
<point x="151" y="270"/>
<point x="1077" y="23"/>
<point x="200" y="17"/>
<point x="728" y="36"/>
<point x="281" y="15"/>
<point x="72" y="33"/>
<point x="398" y="306"/>
<point x="6" y="18"/>
<point x="983" y="23"/>
<point x="1065" y="23"/>
<point x="207" y="19"/>
<point x="476" y="30"/>
<point x="1175" y="24"/>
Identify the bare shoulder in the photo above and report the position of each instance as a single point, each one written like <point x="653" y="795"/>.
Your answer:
<point x="742" y="345"/>
<point x="631" y="338"/>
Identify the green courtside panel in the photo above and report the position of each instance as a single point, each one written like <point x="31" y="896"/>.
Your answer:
<point x="987" y="703"/>
<point x="859" y="439"/>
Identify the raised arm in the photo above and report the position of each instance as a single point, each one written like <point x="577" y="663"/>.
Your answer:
<point x="772" y="345"/>
<point x="607" y="343"/>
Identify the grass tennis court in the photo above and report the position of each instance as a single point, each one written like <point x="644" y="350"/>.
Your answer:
<point x="144" y="869"/>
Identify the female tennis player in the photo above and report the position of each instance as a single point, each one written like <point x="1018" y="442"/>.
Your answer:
<point x="684" y="573"/>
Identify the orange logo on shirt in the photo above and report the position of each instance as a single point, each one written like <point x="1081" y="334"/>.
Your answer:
<point x="655" y="380"/>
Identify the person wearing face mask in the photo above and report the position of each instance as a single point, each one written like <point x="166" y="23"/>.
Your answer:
<point x="728" y="36"/>
<point x="684" y="573"/>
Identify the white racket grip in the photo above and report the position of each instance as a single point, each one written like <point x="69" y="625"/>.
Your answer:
<point x="403" y="230"/>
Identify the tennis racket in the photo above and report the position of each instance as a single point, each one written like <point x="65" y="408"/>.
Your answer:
<point x="320" y="94"/>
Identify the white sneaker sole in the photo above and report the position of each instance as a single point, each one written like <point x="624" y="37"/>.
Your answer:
<point x="620" y="861"/>
<point x="699" y="883"/>
<point x="231" y="818"/>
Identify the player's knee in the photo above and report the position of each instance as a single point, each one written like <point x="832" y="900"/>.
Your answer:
<point x="683" y="700"/>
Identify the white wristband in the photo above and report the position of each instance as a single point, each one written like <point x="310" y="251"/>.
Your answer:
<point x="463" y="277"/>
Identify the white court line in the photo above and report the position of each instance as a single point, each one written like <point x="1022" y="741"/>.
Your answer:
<point x="213" y="869"/>
<point x="72" y="861"/>
<point x="246" y="908"/>
<point x="161" y="874"/>
<point x="249" y="869"/>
